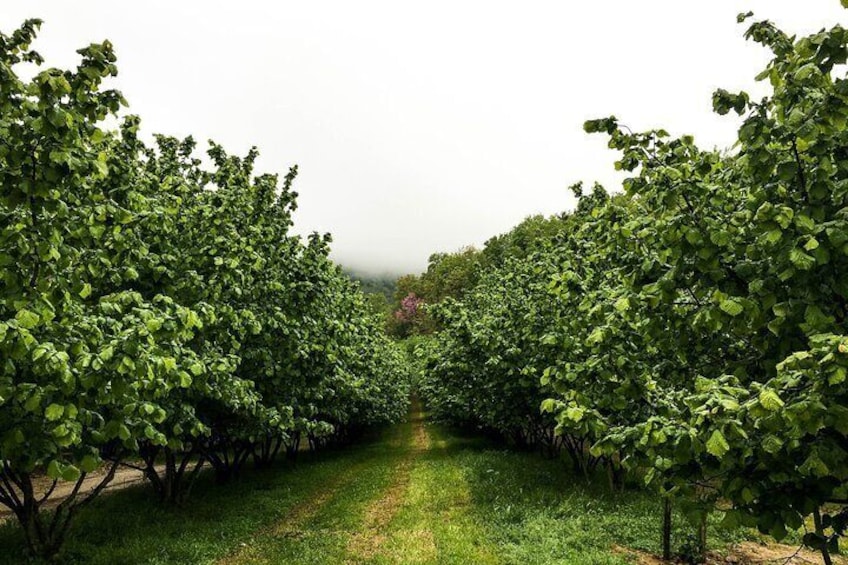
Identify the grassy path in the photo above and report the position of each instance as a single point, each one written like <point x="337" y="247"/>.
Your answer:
<point x="401" y="505"/>
<point x="416" y="494"/>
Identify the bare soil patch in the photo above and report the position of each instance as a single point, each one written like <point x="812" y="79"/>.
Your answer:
<point x="124" y="477"/>
<point x="745" y="553"/>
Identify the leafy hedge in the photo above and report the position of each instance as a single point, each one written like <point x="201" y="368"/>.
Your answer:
<point x="155" y="309"/>
<point x="694" y="329"/>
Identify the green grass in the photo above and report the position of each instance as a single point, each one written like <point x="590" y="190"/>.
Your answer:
<point x="436" y="521"/>
<point x="130" y="527"/>
<point x="409" y="496"/>
<point x="539" y="514"/>
<point x="485" y="504"/>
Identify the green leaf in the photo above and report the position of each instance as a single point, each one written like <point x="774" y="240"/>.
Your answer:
<point x="548" y="405"/>
<point x="717" y="445"/>
<point x="86" y="291"/>
<point x="731" y="306"/>
<point x="770" y="400"/>
<point x="814" y="316"/>
<point x="814" y="466"/>
<point x="597" y="336"/>
<point x="720" y="238"/>
<point x="773" y="236"/>
<point x="89" y="463"/>
<point x="801" y="260"/>
<point x="805" y="223"/>
<point x="54" y="471"/>
<point x="649" y="476"/>
<point x="730" y="520"/>
<point x="574" y="413"/>
<point x="772" y="444"/>
<point x="33" y="403"/>
<point x="70" y="473"/>
<point x="106" y="354"/>
<point x="27" y="319"/>
<point x="54" y="412"/>
<point x="837" y="376"/>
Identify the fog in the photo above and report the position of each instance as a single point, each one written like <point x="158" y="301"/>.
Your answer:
<point x="422" y="127"/>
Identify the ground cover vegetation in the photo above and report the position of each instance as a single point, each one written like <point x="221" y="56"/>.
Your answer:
<point x="416" y="493"/>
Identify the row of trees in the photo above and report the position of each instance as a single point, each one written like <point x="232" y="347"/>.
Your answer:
<point x="156" y="310"/>
<point x="450" y="275"/>
<point x="482" y="367"/>
<point x="692" y="331"/>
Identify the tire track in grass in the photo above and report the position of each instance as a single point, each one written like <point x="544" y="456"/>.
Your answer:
<point x="293" y="539"/>
<point x="407" y="500"/>
<point x="436" y="524"/>
<point x="369" y="541"/>
<point x="424" y="515"/>
<point x="292" y="525"/>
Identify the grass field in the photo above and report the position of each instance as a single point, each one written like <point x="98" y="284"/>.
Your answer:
<point x="418" y="493"/>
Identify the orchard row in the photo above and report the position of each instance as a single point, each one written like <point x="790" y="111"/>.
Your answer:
<point x="690" y="333"/>
<point x="157" y="309"/>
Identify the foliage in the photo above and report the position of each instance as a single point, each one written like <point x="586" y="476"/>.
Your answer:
<point x="155" y="308"/>
<point x="698" y="332"/>
<point x="447" y="275"/>
<point x="530" y="236"/>
<point x="482" y="368"/>
<point x="374" y="284"/>
<point x="379" y="291"/>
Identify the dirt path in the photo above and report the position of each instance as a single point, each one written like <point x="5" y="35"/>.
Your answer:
<point x="744" y="553"/>
<point x="124" y="477"/>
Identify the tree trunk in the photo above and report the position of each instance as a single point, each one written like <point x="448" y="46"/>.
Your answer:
<point x="666" y="529"/>
<point x="825" y="553"/>
<point x="173" y="485"/>
<point x="702" y="537"/>
<point x="227" y="458"/>
<point x="44" y="533"/>
<point x="293" y="446"/>
<point x="265" y="452"/>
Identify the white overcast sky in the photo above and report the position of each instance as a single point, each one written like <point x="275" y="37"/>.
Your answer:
<point x="425" y="126"/>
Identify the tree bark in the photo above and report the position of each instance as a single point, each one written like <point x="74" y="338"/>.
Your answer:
<point x="666" y="529"/>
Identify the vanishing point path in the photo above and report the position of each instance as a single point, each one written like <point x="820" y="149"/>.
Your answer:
<point x="397" y="500"/>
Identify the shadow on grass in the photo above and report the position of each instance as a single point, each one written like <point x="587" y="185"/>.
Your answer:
<point x="533" y="510"/>
<point x="536" y="510"/>
<point x="130" y="526"/>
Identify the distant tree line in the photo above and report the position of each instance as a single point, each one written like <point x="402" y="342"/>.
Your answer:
<point x="452" y="275"/>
